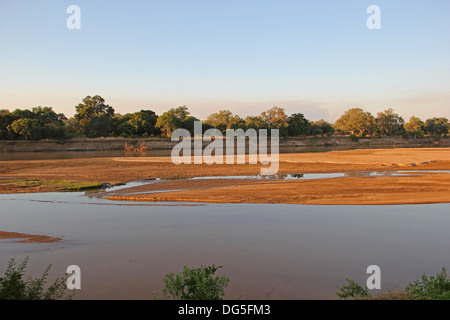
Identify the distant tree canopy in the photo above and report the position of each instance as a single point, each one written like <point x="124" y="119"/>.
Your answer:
<point x="356" y="121"/>
<point x="276" y="118"/>
<point x="321" y="127"/>
<point x="25" y="127"/>
<point x="255" y="122"/>
<point x="298" y="125"/>
<point x="415" y="126"/>
<point x="173" y="119"/>
<point x="140" y="123"/>
<point x="37" y="123"/>
<point x="224" y="120"/>
<point x="389" y="123"/>
<point x="95" y="118"/>
<point x="437" y="126"/>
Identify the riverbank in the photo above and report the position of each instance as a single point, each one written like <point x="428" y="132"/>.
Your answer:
<point x="27" y="238"/>
<point x="156" y="143"/>
<point x="413" y="188"/>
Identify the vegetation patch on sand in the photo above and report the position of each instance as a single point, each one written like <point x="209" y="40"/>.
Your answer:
<point x="35" y="185"/>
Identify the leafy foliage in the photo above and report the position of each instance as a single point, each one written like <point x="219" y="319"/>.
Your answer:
<point x="352" y="290"/>
<point x="430" y="288"/>
<point x="356" y="120"/>
<point x="415" y="126"/>
<point x="427" y="288"/>
<point x="437" y="126"/>
<point x="24" y="127"/>
<point x="298" y="125"/>
<point x="276" y="118"/>
<point x="13" y="286"/>
<point x="95" y="118"/>
<point x="195" y="284"/>
<point x="389" y="123"/>
<point x="172" y="120"/>
<point x="224" y="120"/>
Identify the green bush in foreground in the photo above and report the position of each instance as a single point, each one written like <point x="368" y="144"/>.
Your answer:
<point x="427" y="288"/>
<point x="195" y="284"/>
<point x="13" y="286"/>
<point x="352" y="290"/>
<point x="430" y="288"/>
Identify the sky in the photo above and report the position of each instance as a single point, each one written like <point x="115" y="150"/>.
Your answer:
<point x="317" y="57"/>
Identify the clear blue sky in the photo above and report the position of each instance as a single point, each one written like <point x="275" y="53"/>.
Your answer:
<point x="314" y="57"/>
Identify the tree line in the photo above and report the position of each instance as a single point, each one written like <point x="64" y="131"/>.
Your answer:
<point x="94" y="118"/>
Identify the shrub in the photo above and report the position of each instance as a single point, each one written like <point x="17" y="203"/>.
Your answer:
<point x="430" y="288"/>
<point x="195" y="284"/>
<point x="13" y="286"/>
<point x="427" y="288"/>
<point x="352" y="290"/>
<point x="354" y="137"/>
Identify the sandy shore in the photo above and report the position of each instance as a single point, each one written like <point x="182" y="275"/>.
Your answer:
<point x="27" y="238"/>
<point x="423" y="188"/>
<point x="412" y="188"/>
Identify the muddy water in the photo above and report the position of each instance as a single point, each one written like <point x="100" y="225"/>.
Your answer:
<point x="268" y="251"/>
<point x="7" y="156"/>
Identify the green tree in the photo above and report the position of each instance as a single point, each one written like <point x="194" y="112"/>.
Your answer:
<point x="255" y="122"/>
<point x="25" y="127"/>
<point x="298" y="125"/>
<point x="167" y="123"/>
<point x="23" y="113"/>
<point x="321" y="127"/>
<point x="144" y="122"/>
<point x="137" y="123"/>
<point x="95" y="117"/>
<point x="195" y="284"/>
<point x="430" y="287"/>
<point x="224" y="119"/>
<point x="51" y="124"/>
<point x="352" y="290"/>
<point x="355" y="120"/>
<point x="276" y="118"/>
<point x="415" y="126"/>
<point x="71" y="127"/>
<point x="13" y="286"/>
<point x="389" y="123"/>
<point x="42" y="123"/>
<point x="180" y="113"/>
<point x="437" y="126"/>
<point x="173" y="119"/>
<point x="188" y="124"/>
<point x="6" y="118"/>
<point x="427" y="288"/>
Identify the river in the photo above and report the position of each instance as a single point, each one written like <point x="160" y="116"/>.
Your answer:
<point x="9" y="156"/>
<point x="269" y="251"/>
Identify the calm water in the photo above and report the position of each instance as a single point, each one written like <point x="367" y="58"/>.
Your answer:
<point x="268" y="251"/>
<point x="7" y="156"/>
